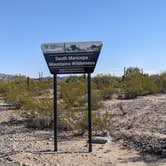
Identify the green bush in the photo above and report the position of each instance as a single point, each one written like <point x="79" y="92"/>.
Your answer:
<point x="161" y="82"/>
<point x="107" y="85"/>
<point x="137" y="84"/>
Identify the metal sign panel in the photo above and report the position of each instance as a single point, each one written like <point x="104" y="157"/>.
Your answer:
<point x="71" y="58"/>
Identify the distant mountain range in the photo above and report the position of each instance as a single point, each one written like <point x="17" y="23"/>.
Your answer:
<point x="6" y="76"/>
<point x="10" y="77"/>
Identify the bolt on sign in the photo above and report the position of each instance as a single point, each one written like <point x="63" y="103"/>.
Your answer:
<point x="71" y="58"/>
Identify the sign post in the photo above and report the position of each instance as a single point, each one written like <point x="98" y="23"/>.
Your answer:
<point x="55" y="115"/>
<point x="89" y="113"/>
<point x="72" y="58"/>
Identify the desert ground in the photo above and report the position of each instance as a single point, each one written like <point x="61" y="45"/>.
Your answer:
<point x="138" y="138"/>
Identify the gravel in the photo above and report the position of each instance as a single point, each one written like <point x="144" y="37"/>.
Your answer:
<point x="143" y="123"/>
<point x="138" y="124"/>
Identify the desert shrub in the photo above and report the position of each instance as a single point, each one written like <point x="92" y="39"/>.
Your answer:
<point x="106" y="81"/>
<point x="72" y="93"/>
<point x="40" y="87"/>
<point x="36" y="100"/>
<point x="106" y="93"/>
<point x="96" y="100"/>
<point x="15" y="93"/>
<point x="149" y="86"/>
<point x="133" y="85"/>
<point x="75" y="79"/>
<point x="39" y="113"/>
<point x="161" y="81"/>
<point x="2" y="86"/>
<point x="102" y="121"/>
<point x="107" y="85"/>
<point x="37" y="107"/>
<point x="137" y="84"/>
<point x="39" y="122"/>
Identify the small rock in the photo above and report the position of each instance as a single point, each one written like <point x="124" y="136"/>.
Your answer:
<point x="100" y="140"/>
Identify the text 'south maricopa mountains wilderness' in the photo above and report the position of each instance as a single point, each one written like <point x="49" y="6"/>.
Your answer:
<point x="70" y="58"/>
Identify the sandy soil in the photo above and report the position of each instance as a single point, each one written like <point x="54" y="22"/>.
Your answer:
<point x="26" y="147"/>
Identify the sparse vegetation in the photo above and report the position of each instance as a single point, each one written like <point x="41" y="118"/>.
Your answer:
<point x="35" y="98"/>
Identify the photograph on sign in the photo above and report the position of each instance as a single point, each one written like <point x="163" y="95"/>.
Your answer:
<point x="71" y="47"/>
<point x="73" y="57"/>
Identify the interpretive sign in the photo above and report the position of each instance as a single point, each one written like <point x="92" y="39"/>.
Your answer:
<point x="71" y="58"/>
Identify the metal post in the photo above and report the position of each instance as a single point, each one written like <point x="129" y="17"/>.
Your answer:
<point x="28" y="82"/>
<point x="89" y="113"/>
<point x="55" y="115"/>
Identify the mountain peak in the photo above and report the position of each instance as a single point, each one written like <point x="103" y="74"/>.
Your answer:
<point x="6" y="76"/>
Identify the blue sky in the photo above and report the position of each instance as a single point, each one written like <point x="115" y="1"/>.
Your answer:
<point x="133" y="32"/>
